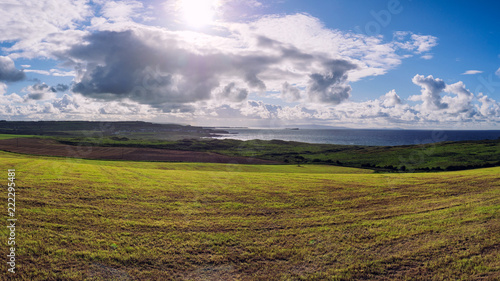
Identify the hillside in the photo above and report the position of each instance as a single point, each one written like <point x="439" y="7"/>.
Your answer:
<point x="459" y="155"/>
<point x="99" y="220"/>
<point x="92" y="129"/>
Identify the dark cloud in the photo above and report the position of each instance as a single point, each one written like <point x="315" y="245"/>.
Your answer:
<point x="42" y="88"/>
<point x="122" y="65"/>
<point x="8" y="71"/>
<point x="331" y="86"/>
<point x="289" y="92"/>
<point x="42" y="91"/>
<point x="61" y="88"/>
<point x="263" y="41"/>
<point x="156" y="68"/>
<point x="289" y="52"/>
<point x="232" y="93"/>
<point x="35" y="96"/>
<point x="249" y="67"/>
<point x="254" y="82"/>
<point x="119" y="65"/>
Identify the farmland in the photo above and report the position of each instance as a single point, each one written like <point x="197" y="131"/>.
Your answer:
<point x="451" y="155"/>
<point x="121" y="220"/>
<point x="36" y="146"/>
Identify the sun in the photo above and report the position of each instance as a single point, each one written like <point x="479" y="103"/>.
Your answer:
<point x="198" y="13"/>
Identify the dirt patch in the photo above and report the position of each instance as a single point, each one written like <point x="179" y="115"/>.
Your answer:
<point x="103" y="272"/>
<point x="212" y="273"/>
<point x="52" y="148"/>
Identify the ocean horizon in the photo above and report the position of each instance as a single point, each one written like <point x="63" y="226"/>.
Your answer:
<point x="366" y="137"/>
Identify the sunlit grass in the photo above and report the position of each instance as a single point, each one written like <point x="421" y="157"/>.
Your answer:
<point x="105" y="220"/>
<point x="8" y="136"/>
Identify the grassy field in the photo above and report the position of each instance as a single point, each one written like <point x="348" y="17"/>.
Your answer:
<point x="409" y="158"/>
<point x="105" y="220"/>
<point x="8" y="136"/>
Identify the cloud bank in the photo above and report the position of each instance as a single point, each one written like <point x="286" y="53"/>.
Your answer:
<point x="172" y="70"/>
<point x="265" y="70"/>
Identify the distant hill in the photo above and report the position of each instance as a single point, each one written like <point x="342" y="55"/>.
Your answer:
<point x="52" y="128"/>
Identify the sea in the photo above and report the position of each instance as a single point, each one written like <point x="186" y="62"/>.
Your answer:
<point x="365" y="137"/>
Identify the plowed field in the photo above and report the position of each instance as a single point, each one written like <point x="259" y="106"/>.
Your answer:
<point x="52" y="148"/>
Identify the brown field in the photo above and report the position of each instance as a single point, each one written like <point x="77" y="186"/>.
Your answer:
<point x="45" y="147"/>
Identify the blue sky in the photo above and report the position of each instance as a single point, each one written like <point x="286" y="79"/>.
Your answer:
<point x="360" y="64"/>
<point x="467" y="31"/>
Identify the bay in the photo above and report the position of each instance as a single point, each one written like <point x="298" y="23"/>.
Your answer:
<point x="359" y="136"/>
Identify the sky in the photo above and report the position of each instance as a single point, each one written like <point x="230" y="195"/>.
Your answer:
<point x="279" y="63"/>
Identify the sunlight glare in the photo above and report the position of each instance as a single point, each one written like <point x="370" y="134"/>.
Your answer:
<point x="198" y="13"/>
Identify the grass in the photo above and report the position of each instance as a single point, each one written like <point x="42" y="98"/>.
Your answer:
<point x="106" y="220"/>
<point x="410" y="158"/>
<point x="8" y="136"/>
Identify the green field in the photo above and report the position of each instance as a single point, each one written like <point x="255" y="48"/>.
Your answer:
<point x="433" y="157"/>
<point x="460" y="155"/>
<point x="106" y="220"/>
<point x="8" y="136"/>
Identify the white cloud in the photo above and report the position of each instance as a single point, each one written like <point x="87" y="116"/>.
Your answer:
<point x="431" y="90"/>
<point x="258" y="56"/>
<point x="76" y="107"/>
<point x="414" y="42"/>
<point x="458" y="107"/>
<point x="295" y="114"/>
<point x="461" y="103"/>
<point x="489" y="107"/>
<point x="38" y="71"/>
<point x="122" y="11"/>
<point x="3" y="88"/>
<point x="35" y="19"/>
<point x="472" y="72"/>
<point x="308" y="35"/>
<point x="387" y="111"/>
<point x="222" y="10"/>
<point x="427" y="56"/>
<point x="37" y="27"/>
<point x="8" y="99"/>
<point x="127" y="70"/>
<point x="259" y="109"/>
<point x="391" y="99"/>
<point x="52" y="72"/>
<point x="424" y="43"/>
<point x="497" y="73"/>
<point x="261" y="64"/>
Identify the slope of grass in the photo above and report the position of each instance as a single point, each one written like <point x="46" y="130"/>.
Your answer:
<point x="8" y="136"/>
<point x="437" y="156"/>
<point x="21" y="159"/>
<point x="104" y="220"/>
